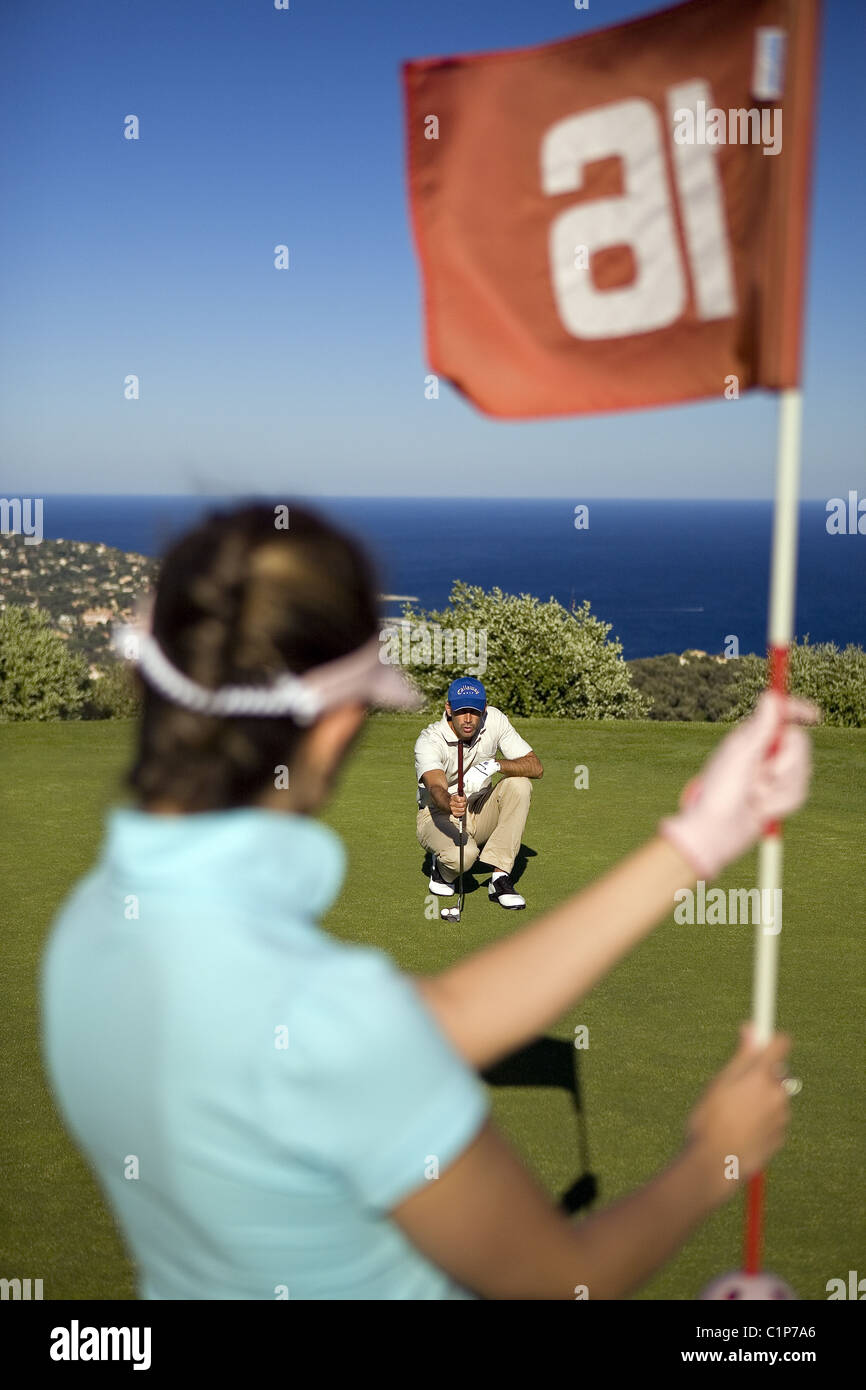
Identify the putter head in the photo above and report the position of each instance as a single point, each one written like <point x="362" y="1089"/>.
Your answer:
<point x="450" y="914"/>
<point x="582" y="1193"/>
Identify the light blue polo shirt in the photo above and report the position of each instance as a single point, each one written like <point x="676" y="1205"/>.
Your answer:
<point x="253" y="1095"/>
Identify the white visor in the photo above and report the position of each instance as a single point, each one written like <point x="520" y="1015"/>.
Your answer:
<point x="360" y="676"/>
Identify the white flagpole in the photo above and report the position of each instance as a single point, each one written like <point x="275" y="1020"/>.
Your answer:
<point x="780" y="632"/>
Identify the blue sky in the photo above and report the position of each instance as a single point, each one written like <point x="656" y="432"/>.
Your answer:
<point x="259" y="127"/>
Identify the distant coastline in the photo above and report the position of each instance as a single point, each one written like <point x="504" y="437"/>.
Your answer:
<point x="668" y="576"/>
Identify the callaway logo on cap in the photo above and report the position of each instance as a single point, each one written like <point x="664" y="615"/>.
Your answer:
<point x="467" y="694"/>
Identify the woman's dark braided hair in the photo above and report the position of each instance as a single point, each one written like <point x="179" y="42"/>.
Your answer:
<point x="240" y="601"/>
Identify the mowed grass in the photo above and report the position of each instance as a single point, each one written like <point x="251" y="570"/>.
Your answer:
<point x="659" y="1026"/>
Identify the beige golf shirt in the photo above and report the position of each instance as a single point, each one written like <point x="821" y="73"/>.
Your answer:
<point x="436" y="746"/>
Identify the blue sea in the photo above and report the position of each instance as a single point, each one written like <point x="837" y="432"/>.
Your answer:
<point x="666" y="575"/>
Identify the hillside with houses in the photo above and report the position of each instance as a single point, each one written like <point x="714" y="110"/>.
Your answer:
<point x="82" y="586"/>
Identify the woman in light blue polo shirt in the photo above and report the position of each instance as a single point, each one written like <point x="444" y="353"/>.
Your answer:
<point x="273" y="1113"/>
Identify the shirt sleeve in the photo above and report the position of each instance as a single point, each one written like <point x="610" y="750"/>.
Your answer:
<point x="428" y="755"/>
<point x="384" y="1096"/>
<point x="510" y="742"/>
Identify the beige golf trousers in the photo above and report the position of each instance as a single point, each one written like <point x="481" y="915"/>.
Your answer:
<point x="495" y="819"/>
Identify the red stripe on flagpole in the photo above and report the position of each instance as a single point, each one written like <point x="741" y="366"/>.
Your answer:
<point x="778" y="680"/>
<point x="778" y="657"/>
<point x="754" y="1240"/>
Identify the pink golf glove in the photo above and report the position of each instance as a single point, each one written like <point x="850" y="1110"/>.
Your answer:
<point x="742" y="788"/>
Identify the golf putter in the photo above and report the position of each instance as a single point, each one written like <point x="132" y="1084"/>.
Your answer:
<point x="452" y="914"/>
<point x="462" y="827"/>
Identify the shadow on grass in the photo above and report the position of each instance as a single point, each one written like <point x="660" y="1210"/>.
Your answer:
<point x="553" y="1062"/>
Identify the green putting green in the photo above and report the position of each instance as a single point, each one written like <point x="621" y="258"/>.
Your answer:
<point x="658" y="1027"/>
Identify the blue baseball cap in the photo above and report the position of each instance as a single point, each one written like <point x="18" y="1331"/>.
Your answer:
<point x="466" y="693"/>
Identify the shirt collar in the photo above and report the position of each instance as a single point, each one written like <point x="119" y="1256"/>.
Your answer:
<point x="289" y="862"/>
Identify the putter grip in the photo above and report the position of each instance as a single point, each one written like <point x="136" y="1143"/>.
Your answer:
<point x="460" y="768"/>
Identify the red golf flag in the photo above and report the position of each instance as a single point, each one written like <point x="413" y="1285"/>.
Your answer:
<point x="619" y="220"/>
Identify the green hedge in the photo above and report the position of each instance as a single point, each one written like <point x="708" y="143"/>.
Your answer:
<point x="834" y="678"/>
<point x="539" y="659"/>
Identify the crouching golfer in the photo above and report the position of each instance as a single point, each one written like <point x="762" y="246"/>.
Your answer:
<point x="259" y="1099"/>
<point x="495" y="816"/>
